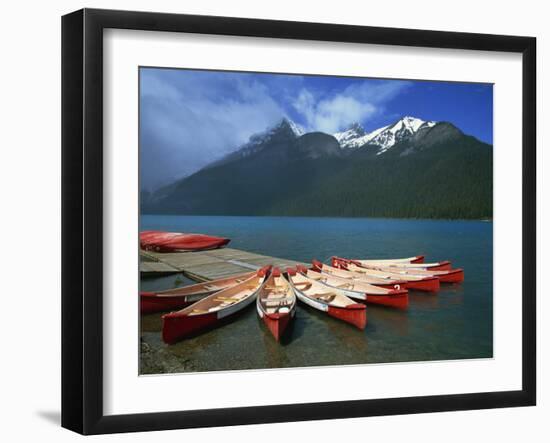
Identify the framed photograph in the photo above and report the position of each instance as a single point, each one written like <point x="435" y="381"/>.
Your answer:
<point x="269" y="221"/>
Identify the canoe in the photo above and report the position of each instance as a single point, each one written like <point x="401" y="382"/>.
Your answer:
<point x="447" y="275"/>
<point x="344" y="273"/>
<point x="436" y="266"/>
<point x="451" y="276"/>
<point x="178" y="298"/>
<point x="412" y="281"/>
<point x="412" y="260"/>
<point x="276" y="303"/>
<point x="160" y="241"/>
<point x="211" y="310"/>
<point x="333" y="301"/>
<point x="358" y="289"/>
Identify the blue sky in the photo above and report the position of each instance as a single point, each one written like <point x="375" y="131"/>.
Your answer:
<point x="188" y="118"/>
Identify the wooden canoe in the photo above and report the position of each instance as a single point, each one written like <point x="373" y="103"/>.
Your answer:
<point x="412" y="260"/>
<point x="436" y="266"/>
<point x="209" y="311"/>
<point x="344" y="273"/>
<point x="178" y="298"/>
<point x="358" y="289"/>
<point x="412" y="281"/>
<point x="450" y="276"/>
<point x="276" y="303"/>
<point x="333" y="301"/>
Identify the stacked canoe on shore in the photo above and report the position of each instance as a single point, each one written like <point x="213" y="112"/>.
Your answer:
<point x="341" y="290"/>
<point x="161" y="241"/>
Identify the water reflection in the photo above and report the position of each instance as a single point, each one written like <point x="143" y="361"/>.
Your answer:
<point x="424" y="300"/>
<point x="385" y="320"/>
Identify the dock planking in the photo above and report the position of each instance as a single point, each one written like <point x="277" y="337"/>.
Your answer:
<point x="207" y="265"/>
<point x="153" y="269"/>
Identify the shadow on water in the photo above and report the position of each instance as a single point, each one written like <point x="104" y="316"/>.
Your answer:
<point x="453" y="295"/>
<point x="423" y="300"/>
<point x="292" y="332"/>
<point x="383" y="319"/>
<point x="275" y="354"/>
<point x="296" y="327"/>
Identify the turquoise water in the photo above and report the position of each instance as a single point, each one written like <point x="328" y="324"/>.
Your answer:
<point x="456" y="323"/>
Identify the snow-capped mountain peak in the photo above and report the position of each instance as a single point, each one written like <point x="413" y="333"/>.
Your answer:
<point x="284" y="130"/>
<point x="349" y="137"/>
<point x="285" y="126"/>
<point x="294" y="127"/>
<point x="411" y="123"/>
<point x="399" y="131"/>
<point x="384" y="137"/>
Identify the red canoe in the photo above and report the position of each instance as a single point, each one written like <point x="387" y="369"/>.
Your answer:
<point x="437" y="266"/>
<point x="344" y="273"/>
<point x="441" y="270"/>
<point x="358" y="289"/>
<point x="412" y="260"/>
<point x="160" y="241"/>
<point x="276" y="303"/>
<point x="326" y="299"/>
<point x="210" y="311"/>
<point x="450" y="276"/>
<point x="419" y="283"/>
<point x="412" y="281"/>
<point x="178" y="298"/>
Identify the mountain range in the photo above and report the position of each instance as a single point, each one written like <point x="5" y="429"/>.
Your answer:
<point x="410" y="168"/>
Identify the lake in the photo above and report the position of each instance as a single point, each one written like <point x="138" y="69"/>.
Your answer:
<point x="455" y="323"/>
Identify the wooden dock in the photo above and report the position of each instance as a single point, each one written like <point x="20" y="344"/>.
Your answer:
<point x="207" y="265"/>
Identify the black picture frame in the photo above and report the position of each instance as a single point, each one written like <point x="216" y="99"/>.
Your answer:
<point x="82" y="218"/>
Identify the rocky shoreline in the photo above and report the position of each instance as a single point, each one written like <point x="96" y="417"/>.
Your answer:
<point x="156" y="360"/>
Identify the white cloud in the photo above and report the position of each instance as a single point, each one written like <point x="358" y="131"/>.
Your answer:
<point x="188" y="120"/>
<point x="359" y="102"/>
